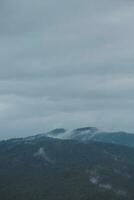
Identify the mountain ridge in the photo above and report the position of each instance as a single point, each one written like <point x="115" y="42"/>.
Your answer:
<point x="85" y="134"/>
<point x="54" y="169"/>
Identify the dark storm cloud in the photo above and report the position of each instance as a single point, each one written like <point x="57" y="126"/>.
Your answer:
<point x="65" y="64"/>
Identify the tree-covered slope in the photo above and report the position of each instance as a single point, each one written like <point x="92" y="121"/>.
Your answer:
<point x="52" y="169"/>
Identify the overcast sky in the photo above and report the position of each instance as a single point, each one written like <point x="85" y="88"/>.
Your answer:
<point x="66" y="64"/>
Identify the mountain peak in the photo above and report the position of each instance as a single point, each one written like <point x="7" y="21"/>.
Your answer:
<point x="57" y="131"/>
<point x="91" y="129"/>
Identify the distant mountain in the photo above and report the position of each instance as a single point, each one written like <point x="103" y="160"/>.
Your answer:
<point x="122" y="138"/>
<point x="91" y="133"/>
<point x="44" y="168"/>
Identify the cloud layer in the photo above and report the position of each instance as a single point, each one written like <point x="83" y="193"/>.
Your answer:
<point x="66" y="64"/>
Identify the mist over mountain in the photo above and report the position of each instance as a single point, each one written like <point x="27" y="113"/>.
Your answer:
<point x="86" y="134"/>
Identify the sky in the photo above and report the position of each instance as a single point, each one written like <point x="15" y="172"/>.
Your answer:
<point x="66" y="64"/>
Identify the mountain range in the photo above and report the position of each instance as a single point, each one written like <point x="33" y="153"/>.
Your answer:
<point x="82" y="164"/>
<point x="87" y="134"/>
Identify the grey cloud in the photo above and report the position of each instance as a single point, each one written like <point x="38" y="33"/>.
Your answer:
<point x="65" y="64"/>
<point x="70" y="87"/>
